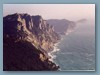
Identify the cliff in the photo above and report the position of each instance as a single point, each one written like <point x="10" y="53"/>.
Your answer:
<point x="62" y="26"/>
<point x="26" y="43"/>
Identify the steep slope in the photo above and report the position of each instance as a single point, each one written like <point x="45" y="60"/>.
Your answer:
<point x="62" y="26"/>
<point x="26" y="43"/>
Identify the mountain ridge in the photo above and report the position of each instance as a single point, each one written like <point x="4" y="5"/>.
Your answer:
<point x="62" y="26"/>
<point x="26" y="42"/>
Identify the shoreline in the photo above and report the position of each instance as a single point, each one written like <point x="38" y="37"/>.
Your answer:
<point x="52" y="56"/>
<point x="55" y="49"/>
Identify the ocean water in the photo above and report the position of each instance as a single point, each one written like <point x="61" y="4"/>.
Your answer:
<point x="76" y="51"/>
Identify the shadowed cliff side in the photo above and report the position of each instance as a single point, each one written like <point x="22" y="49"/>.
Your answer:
<point x="62" y="26"/>
<point x="26" y="43"/>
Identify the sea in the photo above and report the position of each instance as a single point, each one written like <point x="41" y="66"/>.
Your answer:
<point x="76" y="50"/>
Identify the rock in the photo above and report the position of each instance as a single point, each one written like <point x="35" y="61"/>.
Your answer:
<point x="62" y="26"/>
<point x="82" y="21"/>
<point x="26" y="43"/>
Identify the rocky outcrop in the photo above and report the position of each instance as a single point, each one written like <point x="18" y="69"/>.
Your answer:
<point x="82" y="21"/>
<point x="26" y="43"/>
<point x="62" y="26"/>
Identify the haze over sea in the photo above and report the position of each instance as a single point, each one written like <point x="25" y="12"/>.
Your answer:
<point x="77" y="49"/>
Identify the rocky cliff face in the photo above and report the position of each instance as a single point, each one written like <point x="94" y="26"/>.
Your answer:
<point x="26" y="43"/>
<point x="62" y="26"/>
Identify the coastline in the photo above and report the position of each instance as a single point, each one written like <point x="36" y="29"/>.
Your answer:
<point x="53" y="56"/>
<point x="56" y="49"/>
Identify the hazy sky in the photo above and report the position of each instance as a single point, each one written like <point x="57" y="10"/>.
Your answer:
<point x="53" y="11"/>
